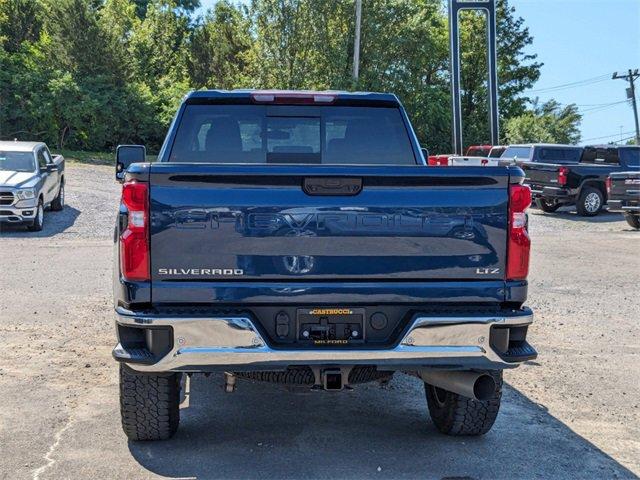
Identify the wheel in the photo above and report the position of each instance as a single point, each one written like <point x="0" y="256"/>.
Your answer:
<point x="455" y="414"/>
<point x="546" y="205"/>
<point x="633" y="220"/>
<point x="590" y="202"/>
<point x="149" y="405"/>
<point x="38" y="221"/>
<point x="58" y="202"/>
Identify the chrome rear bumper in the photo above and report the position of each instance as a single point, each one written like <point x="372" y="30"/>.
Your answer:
<point x="206" y="343"/>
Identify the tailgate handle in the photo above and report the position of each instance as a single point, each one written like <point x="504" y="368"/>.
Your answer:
<point x="332" y="186"/>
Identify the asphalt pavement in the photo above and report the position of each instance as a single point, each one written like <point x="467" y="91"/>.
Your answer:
<point x="571" y="413"/>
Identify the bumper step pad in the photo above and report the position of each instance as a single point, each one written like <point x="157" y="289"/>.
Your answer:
<point x="520" y="353"/>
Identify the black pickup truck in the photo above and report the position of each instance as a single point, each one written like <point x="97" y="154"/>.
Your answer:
<point x="582" y="183"/>
<point x="623" y="189"/>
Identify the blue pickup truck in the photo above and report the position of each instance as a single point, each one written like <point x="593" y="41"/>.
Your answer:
<point x="300" y="238"/>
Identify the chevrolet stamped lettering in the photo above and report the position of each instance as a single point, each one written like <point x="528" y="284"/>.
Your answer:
<point x="325" y="222"/>
<point x="335" y="220"/>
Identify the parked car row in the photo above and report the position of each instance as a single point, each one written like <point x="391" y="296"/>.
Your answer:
<point x="31" y="180"/>
<point x="581" y="183"/>
<point x="587" y="177"/>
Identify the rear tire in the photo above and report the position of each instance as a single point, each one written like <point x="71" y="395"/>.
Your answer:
<point x="590" y="202"/>
<point x="547" y="206"/>
<point x="633" y="220"/>
<point x="455" y="414"/>
<point x="149" y="405"/>
<point x="58" y="202"/>
<point x="38" y="221"/>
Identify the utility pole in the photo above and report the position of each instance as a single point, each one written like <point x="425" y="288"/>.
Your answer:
<point x="631" y="93"/>
<point x="356" y="41"/>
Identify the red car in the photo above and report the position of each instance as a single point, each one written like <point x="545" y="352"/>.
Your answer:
<point x="479" y="150"/>
<point x="439" y="160"/>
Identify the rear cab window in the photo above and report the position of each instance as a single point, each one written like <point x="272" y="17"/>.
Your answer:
<point x="559" y="155"/>
<point x="630" y="157"/>
<point x="285" y="134"/>
<point x="519" y="153"/>
<point x="600" y="156"/>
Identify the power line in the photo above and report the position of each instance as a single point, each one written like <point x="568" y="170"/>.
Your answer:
<point x="603" y="107"/>
<point x="593" y="104"/>
<point x="579" y="83"/>
<point x="607" y="136"/>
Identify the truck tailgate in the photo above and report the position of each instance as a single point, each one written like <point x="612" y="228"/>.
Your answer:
<point x="212" y="223"/>
<point x="540" y="174"/>
<point x="625" y="184"/>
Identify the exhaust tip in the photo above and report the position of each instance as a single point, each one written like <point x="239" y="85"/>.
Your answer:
<point x="484" y="387"/>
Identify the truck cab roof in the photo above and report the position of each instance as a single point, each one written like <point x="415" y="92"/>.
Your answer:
<point x="296" y="97"/>
<point x="546" y="145"/>
<point x="15" y="146"/>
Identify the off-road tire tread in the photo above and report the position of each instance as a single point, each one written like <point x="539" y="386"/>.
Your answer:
<point x="56" y="206"/>
<point x="149" y="405"/>
<point x="461" y="415"/>
<point x="291" y="376"/>
<point x="545" y="207"/>
<point x="304" y="375"/>
<point x="35" y="227"/>
<point x="367" y="374"/>
<point x="633" y="221"/>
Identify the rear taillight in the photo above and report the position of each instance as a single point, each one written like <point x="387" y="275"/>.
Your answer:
<point x="519" y="244"/>
<point x="134" y="239"/>
<point x="608" y="184"/>
<point x="563" y="172"/>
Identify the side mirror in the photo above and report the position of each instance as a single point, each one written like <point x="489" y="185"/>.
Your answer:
<point x="52" y="167"/>
<point x="425" y="153"/>
<point x="126" y="155"/>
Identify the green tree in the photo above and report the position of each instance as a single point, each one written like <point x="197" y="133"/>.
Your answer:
<point x="20" y="21"/>
<point x="517" y="70"/>
<point x="405" y="51"/>
<point x="547" y="123"/>
<point x="159" y="43"/>
<point x="141" y="6"/>
<point x="117" y="20"/>
<point x="284" y="50"/>
<point x="94" y="73"/>
<point x="219" y="49"/>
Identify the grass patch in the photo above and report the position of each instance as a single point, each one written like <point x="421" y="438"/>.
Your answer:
<point x="89" y="158"/>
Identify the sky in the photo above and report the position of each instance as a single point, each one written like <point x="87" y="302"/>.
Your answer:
<point x="582" y="42"/>
<point x="587" y="40"/>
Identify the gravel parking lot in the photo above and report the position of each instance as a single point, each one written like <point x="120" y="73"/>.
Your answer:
<point x="572" y="413"/>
